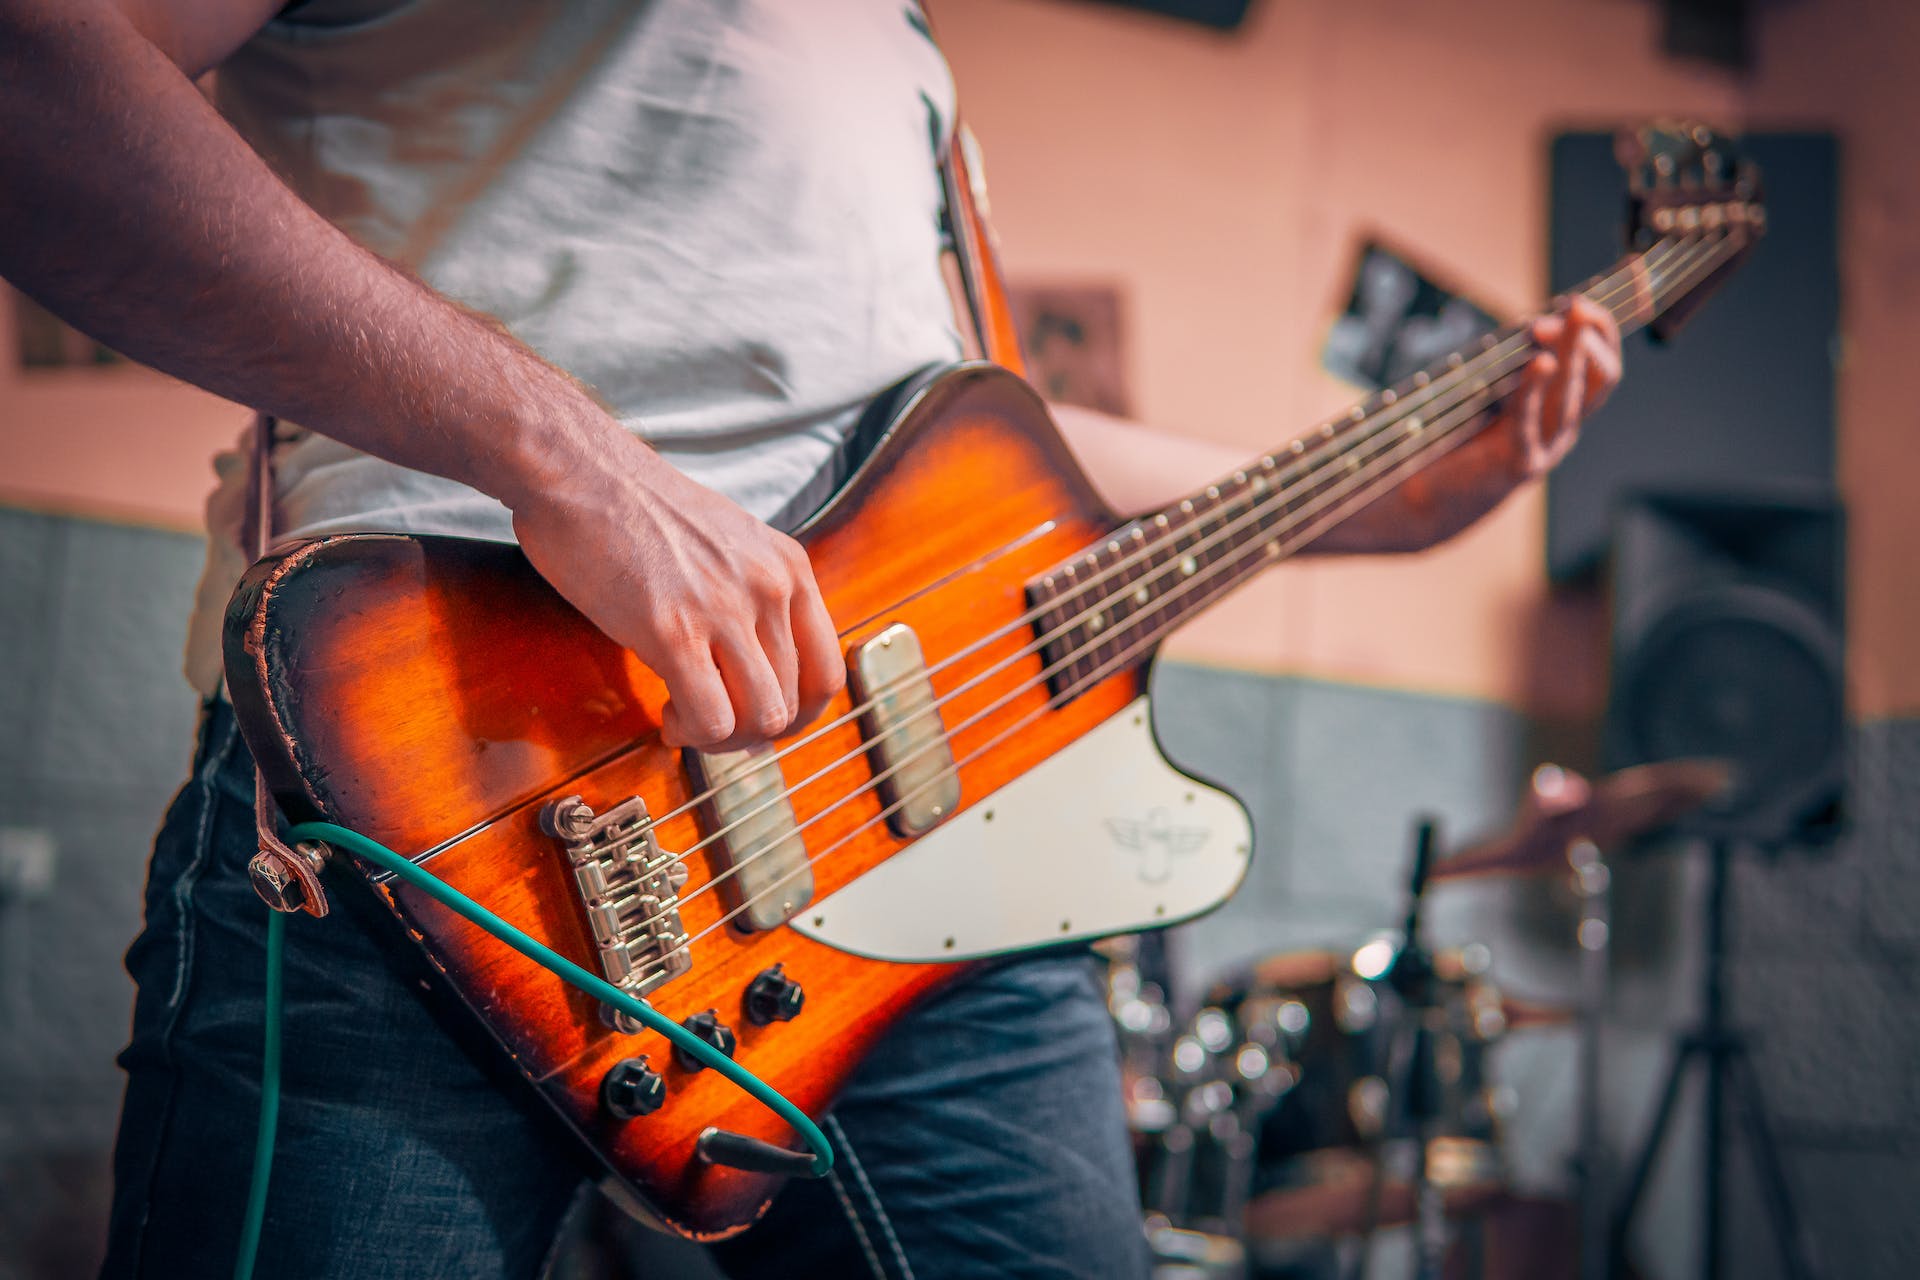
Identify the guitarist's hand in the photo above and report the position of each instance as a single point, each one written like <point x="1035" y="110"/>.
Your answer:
<point x="1576" y="365"/>
<point x="722" y="607"/>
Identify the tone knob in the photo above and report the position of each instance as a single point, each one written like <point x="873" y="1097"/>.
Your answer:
<point x="632" y="1089"/>
<point x="773" y="997"/>
<point x="709" y="1028"/>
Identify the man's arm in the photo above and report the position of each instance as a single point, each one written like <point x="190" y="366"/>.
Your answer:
<point x="1139" y="469"/>
<point x="132" y="210"/>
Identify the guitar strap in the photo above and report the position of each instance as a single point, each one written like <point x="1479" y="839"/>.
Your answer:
<point x="286" y="879"/>
<point x="976" y="251"/>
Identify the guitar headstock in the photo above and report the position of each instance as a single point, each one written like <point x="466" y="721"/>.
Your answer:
<point x="1689" y="189"/>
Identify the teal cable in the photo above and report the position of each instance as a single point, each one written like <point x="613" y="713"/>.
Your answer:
<point x="594" y="985"/>
<point x="269" y="1102"/>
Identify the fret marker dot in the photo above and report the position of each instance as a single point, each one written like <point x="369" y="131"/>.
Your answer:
<point x="1421" y="379"/>
<point x="1186" y="507"/>
<point x="1188" y="565"/>
<point x="1298" y="446"/>
<point x="1326" y="432"/>
<point x="1142" y="596"/>
<point x="1356" y="413"/>
<point x="1415" y="425"/>
<point x="1389" y="396"/>
<point x="1096" y="621"/>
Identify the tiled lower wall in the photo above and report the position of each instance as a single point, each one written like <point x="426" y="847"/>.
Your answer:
<point x="94" y="734"/>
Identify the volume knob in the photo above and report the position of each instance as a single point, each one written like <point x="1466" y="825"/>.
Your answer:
<point x="632" y="1089"/>
<point x="773" y="997"/>
<point x="709" y="1028"/>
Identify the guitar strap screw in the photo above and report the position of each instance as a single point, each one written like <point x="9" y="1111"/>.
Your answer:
<point x="288" y="879"/>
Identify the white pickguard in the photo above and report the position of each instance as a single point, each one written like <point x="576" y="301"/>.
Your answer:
<point x="1104" y="837"/>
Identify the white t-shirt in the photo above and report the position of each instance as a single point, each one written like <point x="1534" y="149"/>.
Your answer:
<point x="722" y="217"/>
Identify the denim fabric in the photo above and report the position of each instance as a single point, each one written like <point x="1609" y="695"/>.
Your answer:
<point x="984" y="1137"/>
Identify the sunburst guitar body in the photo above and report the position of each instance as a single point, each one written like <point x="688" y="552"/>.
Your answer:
<point x="436" y="695"/>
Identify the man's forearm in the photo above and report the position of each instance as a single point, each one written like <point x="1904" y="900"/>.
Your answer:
<point x="131" y="209"/>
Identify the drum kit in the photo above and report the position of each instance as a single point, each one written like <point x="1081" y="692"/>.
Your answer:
<point x="1314" y="1098"/>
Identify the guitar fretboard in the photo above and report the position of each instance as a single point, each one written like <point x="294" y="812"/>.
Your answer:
<point x="1105" y="610"/>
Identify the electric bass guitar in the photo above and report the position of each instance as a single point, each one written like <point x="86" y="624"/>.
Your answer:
<point x="988" y="783"/>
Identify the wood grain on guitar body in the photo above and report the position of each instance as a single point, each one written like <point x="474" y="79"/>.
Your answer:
<point x="988" y="783"/>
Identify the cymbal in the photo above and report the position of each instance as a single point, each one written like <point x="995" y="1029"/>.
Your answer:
<point x="1533" y="1015"/>
<point x="1332" y="1199"/>
<point x="1561" y="807"/>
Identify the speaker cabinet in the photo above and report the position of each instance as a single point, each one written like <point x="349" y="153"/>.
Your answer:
<point x="1729" y="641"/>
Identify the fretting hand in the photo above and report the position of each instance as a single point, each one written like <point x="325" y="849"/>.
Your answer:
<point x="1578" y="364"/>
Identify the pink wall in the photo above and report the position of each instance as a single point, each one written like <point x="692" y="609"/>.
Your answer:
<point x="1850" y="65"/>
<point x="123" y="443"/>
<point x="1222" y="181"/>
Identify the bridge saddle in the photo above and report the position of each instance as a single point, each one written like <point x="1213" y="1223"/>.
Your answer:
<point x="630" y="891"/>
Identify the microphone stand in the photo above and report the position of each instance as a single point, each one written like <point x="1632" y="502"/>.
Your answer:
<point x="1414" y="1104"/>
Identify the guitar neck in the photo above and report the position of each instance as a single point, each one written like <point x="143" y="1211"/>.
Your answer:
<point x="1154" y="573"/>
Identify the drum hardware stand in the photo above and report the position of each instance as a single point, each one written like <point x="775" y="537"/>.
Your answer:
<point x="1729" y="1069"/>
<point x="1593" y="934"/>
<point x="1415" y="1104"/>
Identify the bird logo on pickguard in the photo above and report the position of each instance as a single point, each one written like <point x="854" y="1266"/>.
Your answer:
<point x="1157" y="843"/>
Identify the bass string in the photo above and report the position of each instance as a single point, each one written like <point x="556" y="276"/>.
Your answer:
<point x="859" y="749"/>
<point x="1093" y="678"/>
<point x="1309" y="465"/>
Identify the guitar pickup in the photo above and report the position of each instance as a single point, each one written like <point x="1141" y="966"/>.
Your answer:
<point x="756" y="845"/>
<point x="908" y="748"/>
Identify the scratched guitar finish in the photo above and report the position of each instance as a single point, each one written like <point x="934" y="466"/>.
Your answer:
<point x="989" y="783"/>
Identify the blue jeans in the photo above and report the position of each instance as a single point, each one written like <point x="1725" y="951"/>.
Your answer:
<point x="984" y="1137"/>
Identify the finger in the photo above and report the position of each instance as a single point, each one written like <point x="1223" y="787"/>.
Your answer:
<point x="759" y="708"/>
<point x="1533" y="402"/>
<point x="1603" y="368"/>
<point x="822" y="672"/>
<point x="1546" y="331"/>
<point x="698" y="710"/>
<point x="1572" y="388"/>
<point x="1589" y="314"/>
<point x="775" y="629"/>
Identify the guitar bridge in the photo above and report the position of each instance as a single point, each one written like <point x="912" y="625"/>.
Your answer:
<point x="630" y="891"/>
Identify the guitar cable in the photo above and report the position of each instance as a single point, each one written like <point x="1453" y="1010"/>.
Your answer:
<point x="720" y="1146"/>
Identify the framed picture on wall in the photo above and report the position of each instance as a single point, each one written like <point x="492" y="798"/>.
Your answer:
<point x="44" y="341"/>
<point x="1398" y="320"/>
<point x="1073" y="337"/>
